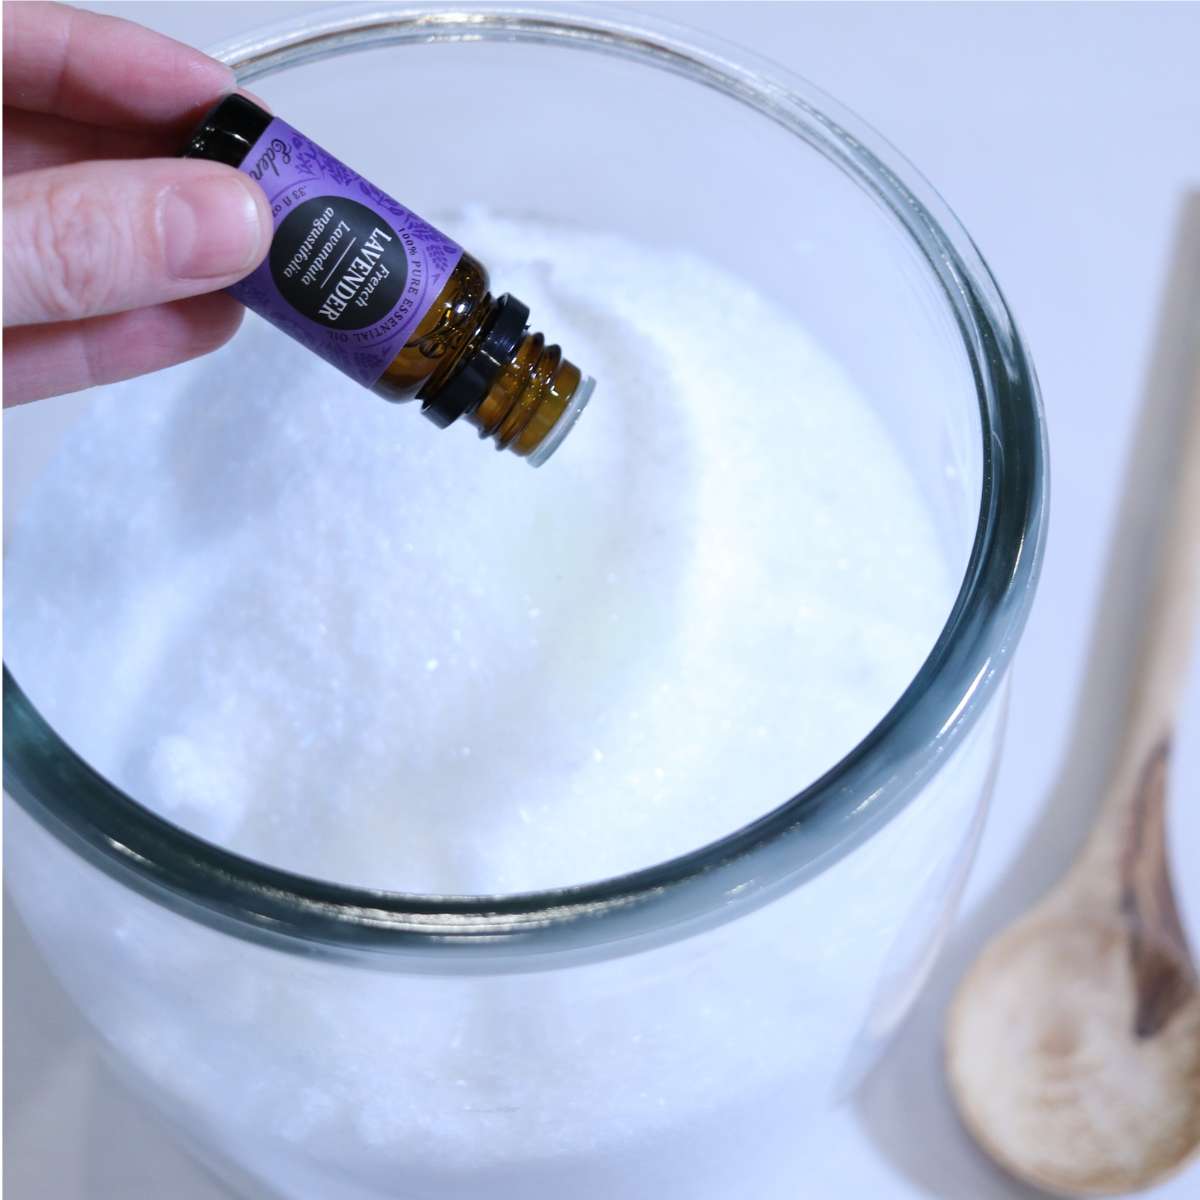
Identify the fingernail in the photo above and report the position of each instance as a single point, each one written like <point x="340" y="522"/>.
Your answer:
<point x="255" y="97"/>
<point x="212" y="227"/>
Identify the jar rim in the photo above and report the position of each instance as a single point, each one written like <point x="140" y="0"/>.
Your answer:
<point x="742" y="870"/>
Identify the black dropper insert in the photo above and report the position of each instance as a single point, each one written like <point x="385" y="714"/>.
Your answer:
<point x="228" y="131"/>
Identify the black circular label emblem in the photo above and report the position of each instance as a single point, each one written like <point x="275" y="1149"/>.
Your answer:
<point x="339" y="263"/>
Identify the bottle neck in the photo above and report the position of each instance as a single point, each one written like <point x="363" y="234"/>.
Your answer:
<point x="533" y="402"/>
<point x="483" y="364"/>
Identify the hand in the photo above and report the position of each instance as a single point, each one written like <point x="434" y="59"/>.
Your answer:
<point x="110" y="244"/>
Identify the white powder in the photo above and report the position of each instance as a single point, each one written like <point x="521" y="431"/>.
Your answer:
<point x="321" y="631"/>
<point x="309" y="625"/>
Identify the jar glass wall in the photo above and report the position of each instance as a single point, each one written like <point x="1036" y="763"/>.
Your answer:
<point x="692" y="1018"/>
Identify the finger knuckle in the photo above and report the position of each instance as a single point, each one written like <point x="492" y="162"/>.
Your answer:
<point x="75" y="244"/>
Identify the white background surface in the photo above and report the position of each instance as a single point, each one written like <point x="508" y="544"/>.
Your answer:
<point x="1065" y="137"/>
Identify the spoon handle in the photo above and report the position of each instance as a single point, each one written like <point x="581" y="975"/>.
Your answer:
<point x="1168" y="630"/>
<point x="1125" y="859"/>
<point x="1168" y="620"/>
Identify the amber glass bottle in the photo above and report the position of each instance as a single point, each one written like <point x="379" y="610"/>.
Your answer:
<point x="385" y="297"/>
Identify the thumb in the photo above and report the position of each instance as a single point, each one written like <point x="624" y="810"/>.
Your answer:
<point x="103" y="237"/>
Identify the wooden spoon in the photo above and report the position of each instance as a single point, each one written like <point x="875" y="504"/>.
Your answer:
<point x="1073" y="1044"/>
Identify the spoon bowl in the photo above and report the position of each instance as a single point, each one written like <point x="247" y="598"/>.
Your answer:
<point x="1053" y="1075"/>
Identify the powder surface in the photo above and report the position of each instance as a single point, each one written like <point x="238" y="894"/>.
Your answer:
<point x="310" y="626"/>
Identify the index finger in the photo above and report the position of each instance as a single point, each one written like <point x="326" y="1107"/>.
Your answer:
<point x="103" y="70"/>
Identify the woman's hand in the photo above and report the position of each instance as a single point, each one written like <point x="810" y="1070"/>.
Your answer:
<point x="112" y="246"/>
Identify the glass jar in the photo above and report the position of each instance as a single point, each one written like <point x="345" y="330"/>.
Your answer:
<point x="699" y="1014"/>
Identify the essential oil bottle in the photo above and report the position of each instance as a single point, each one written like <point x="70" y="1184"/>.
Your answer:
<point x="386" y="298"/>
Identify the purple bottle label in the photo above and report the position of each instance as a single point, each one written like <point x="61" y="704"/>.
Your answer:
<point x="351" y="273"/>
